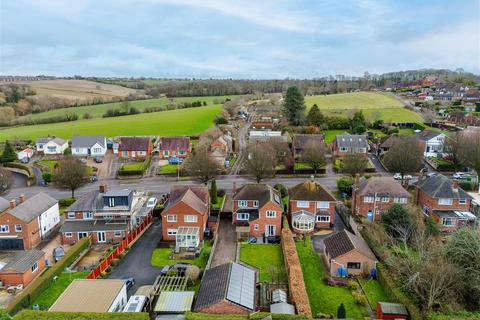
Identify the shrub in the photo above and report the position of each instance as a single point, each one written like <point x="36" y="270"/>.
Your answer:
<point x="66" y="202"/>
<point x="359" y="298"/>
<point x="47" y="177"/>
<point x="220" y="192"/>
<point x="67" y="152"/>
<point x="353" y="285"/>
<point x="344" y="185"/>
<point x="192" y="272"/>
<point x="282" y="189"/>
<point x="172" y="273"/>
<point x="114" y="262"/>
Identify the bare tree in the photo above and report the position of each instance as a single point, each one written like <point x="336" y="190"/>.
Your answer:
<point x="314" y="154"/>
<point x="354" y="164"/>
<point x="261" y="160"/>
<point x="200" y="164"/>
<point x="454" y="146"/>
<point x="6" y="180"/>
<point x="71" y="174"/>
<point x="405" y="155"/>
<point x="470" y="150"/>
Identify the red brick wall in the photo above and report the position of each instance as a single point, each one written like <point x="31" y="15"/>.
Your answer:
<point x="352" y="256"/>
<point x="262" y="220"/>
<point x="30" y="232"/>
<point x="15" y="278"/>
<point x="361" y="208"/>
<point x="137" y="156"/>
<point x="180" y="209"/>
<point x="109" y="237"/>
<point x="423" y="199"/>
<point x="313" y="209"/>
<point x="225" y="307"/>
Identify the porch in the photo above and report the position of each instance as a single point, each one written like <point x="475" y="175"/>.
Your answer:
<point x="187" y="237"/>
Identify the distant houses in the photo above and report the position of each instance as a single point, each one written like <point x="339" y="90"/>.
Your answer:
<point x="51" y="145"/>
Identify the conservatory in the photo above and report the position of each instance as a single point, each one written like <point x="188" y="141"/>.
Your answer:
<point x="187" y="237"/>
<point x="303" y="221"/>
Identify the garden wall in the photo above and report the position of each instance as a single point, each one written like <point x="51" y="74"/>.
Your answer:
<point x="296" y="284"/>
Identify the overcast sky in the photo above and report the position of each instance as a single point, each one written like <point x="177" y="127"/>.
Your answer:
<point x="237" y="39"/>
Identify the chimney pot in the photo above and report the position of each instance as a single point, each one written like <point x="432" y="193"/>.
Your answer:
<point x="22" y="198"/>
<point x="357" y="180"/>
<point x="13" y="203"/>
<point x="102" y="188"/>
<point x="455" y="184"/>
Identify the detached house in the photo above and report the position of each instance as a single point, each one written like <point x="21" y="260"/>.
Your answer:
<point x="257" y="211"/>
<point x="444" y="201"/>
<point x="185" y="216"/>
<point x="174" y="147"/>
<point x="301" y="140"/>
<point x="24" y="225"/>
<point x="138" y="148"/>
<point x="51" y="145"/>
<point x="95" y="146"/>
<point x="371" y="197"/>
<point x="108" y="216"/>
<point x="346" y="144"/>
<point x="433" y="142"/>
<point x="311" y="207"/>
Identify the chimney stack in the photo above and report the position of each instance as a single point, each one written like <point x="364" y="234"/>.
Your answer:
<point x="22" y="198"/>
<point x="357" y="180"/>
<point x="13" y="203"/>
<point x="455" y="185"/>
<point x="234" y="187"/>
<point x="406" y="183"/>
<point x="102" y="188"/>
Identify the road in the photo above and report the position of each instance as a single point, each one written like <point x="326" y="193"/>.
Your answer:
<point x="242" y="148"/>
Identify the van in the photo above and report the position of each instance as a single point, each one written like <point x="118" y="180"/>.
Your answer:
<point x="136" y="304"/>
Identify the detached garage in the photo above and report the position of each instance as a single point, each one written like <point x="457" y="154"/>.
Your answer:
<point x="22" y="268"/>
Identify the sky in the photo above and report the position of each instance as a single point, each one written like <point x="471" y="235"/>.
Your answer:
<point x="255" y="39"/>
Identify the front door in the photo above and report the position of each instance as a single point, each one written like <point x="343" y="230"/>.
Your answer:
<point x="270" y="230"/>
<point x="101" y="236"/>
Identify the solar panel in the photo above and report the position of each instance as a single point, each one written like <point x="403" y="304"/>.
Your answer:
<point x="241" y="286"/>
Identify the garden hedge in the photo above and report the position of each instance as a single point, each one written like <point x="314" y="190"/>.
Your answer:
<point x="36" y="287"/>
<point x="47" y="315"/>
<point x="21" y="166"/>
<point x="146" y="165"/>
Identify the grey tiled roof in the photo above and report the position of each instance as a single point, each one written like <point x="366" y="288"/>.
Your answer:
<point x="57" y="140"/>
<point x="427" y="135"/>
<point x="4" y="204"/>
<point x="33" y="207"/>
<point x="88" y="202"/>
<point x="213" y="287"/>
<point x="355" y="141"/>
<point x="257" y="191"/>
<point x="440" y="186"/>
<point x="91" y="225"/>
<point x="23" y="260"/>
<point x="87" y="141"/>
<point x="343" y="242"/>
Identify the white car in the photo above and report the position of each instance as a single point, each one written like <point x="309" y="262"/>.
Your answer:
<point x="398" y="176"/>
<point x="152" y="202"/>
<point x="460" y="175"/>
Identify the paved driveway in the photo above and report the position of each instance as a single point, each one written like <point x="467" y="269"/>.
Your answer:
<point x="317" y="240"/>
<point x="137" y="262"/>
<point x="226" y="248"/>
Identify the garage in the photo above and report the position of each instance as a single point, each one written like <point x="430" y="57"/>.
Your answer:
<point x="11" y="244"/>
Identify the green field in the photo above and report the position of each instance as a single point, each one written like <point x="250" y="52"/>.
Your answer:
<point x="167" y="123"/>
<point x="98" y="110"/>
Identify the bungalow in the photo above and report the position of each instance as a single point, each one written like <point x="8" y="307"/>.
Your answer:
<point x="371" y="197"/>
<point x="25" y="154"/>
<point x="346" y="144"/>
<point x="95" y="146"/>
<point x="347" y="254"/>
<point x="224" y="143"/>
<point x="311" y="207"/>
<point x="185" y="216"/>
<point x="51" y="145"/>
<point x="22" y="268"/>
<point x="443" y="200"/>
<point x="433" y="142"/>
<point x="301" y="140"/>
<point x="24" y="225"/>
<point x="257" y="211"/>
<point x="138" y="148"/>
<point x="227" y="289"/>
<point x="174" y="147"/>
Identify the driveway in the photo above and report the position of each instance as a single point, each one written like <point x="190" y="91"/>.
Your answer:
<point x="102" y="167"/>
<point x="317" y="240"/>
<point x="378" y="166"/>
<point x="226" y="248"/>
<point x="137" y="261"/>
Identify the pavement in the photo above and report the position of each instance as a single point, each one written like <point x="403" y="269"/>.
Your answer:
<point x="136" y="262"/>
<point x="226" y="248"/>
<point x="317" y="240"/>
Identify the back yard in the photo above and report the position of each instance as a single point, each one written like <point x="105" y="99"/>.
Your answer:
<point x="161" y="256"/>
<point x="267" y="258"/>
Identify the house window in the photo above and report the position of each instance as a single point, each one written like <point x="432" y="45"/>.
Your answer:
<point x="385" y="199"/>
<point x="323" y="218"/>
<point x="448" y="222"/>
<point x="172" y="232"/>
<point x="368" y="199"/>
<point x="445" y="201"/>
<point x="344" y="149"/>
<point x="242" y="216"/>
<point x="71" y="215"/>
<point x="68" y="234"/>
<point x="165" y="153"/>
<point x="361" y="150"/>
<point x="88" y="215"/>
<point x="303" y="204"/>
<point x="426" y="210"/>
<point x="97" y="150"/>
<point x="4" y="228"/>
<point x="34" y="266"/>
<point x="400" y="200"/>
<point x="462" y="201"/>
<point x="255" y="227"/>
<point x="52" y="149"/>
<point x="255" y="203"/>
<point x="271" y="214"/>
<point x="354" y="265"/>
<point x="190" y="218"/>
<point x="171" y="218"/>
<point x="277" y="198"/>
<point x="182" y="152"/>
<point x="18" y="228"/>
<point x="111" y="202"/>
<point x="323" y="204"/>
<point x="77" y="150"/>
<point x="142" y="153"/>
<point x="125" y="154"/>
<point x="242" y="203"/>
<point x="377" y="198"/>
<point x="117" y="233"/>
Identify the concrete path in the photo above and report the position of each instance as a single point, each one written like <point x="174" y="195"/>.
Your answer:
<point x="226" y="247"/>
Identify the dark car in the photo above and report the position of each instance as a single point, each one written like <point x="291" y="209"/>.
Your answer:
<point x="129" y="281"/>
<point x="181" y="268"/>
<point x="98" y="159"/>
<point x="165" y="270"/>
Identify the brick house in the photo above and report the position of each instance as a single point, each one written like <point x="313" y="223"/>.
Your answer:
<point x="300" y="141"/>
<point x="186" y="215"/>
<point x="22" y="268"/>
<point x="371" y="197"/>
<point x="311" y="207"/>
<point x="24" y="225"/>
<point x="347" y="254"/>
<point x="223" y="143"/>
<point x="257" y="211"/>
<point x="444" y="201"/>
<point x="137" y="148"/>
<point x="174" y="147"/>
<point x="227" y="289"/>
<point x="345" y="144"/>
<point x="108" y="216"/>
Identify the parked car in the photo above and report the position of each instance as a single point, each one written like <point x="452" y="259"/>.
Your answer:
<point x="152" y="202"/>
<point x="129" y="281"/>
<point x="58" y="253"/>
<point x="98" y="159"/>
<point x="398" y="176"/>
<point x="175" y="160"/>
<point x="181" y="268"/>
<point x="460" y="175"/>
<point x="431" y="174"/>
<point x="165" y="270"/>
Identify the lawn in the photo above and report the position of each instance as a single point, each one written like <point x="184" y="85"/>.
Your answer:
<point x="49" y="163"/>
<point x="133" y="166"/>
<point x="50" y="295"/>
<point x="374" y="292"/>
<point x="168" y="169"/>
<point x="264" y="257"/>
<point x="324" y="298"/>
<point x="161" y="256"/>
<point x="330" y="135"/>
<point x="219" y="203"/>
<point x="167" y="123"/>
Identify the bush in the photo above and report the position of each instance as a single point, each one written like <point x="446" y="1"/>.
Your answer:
<point x="220" y="192"/>
<point x="468" y="185"/>
<point x="49" y="315"/>
<point x="47" y="177"/>
<point x="282" y="189"/>
<point x="67" y="152"/>
<point x="353" y="285"/>
<point x="344" y="185"/>
<point x="193" y="273"/>
<point x="114" y="262"/>
<point x="360" y="298"/>
<point x="66" y="202"/>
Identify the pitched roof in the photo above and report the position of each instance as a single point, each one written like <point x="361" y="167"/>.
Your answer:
<point x="174" y="143"/>
<point x="300" y="140"/>
<point x="439" y="186"/>
<point x="134" y="143"/>
<point x="343" y="242"/>
<point x="33" y="207"/>
<point x="427" y="135"/>
<point x="87" y="202"/>
<point x="382" y="186"/>
<point x="23" y="260"/>
<point x="393" y="308"/>
<point x="85" y="295"/>
<point x="88" y="141"/>
<point x="388" y="143"/>
<point x="4" y="204"/>
<point x="91" y="225"/>
<point x="195" y="196"/>
<point x="56" y="140"/>
<point x="310" y="190"/>
<point x="348" y="140"/>
<point x="258" y="191"/>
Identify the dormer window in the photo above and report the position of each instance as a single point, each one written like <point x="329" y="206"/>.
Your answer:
<point x="111" y="202"/>
<point x="255" y="203"/>
<point x="242" y="203"/>
<point x="344" y="149"/>
<point x="445" y="201"/>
